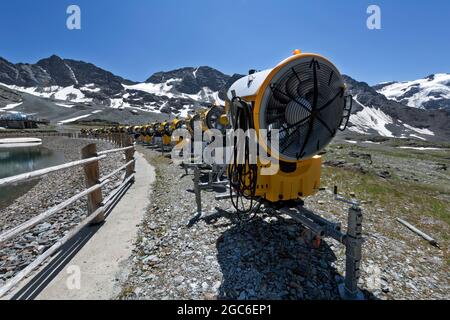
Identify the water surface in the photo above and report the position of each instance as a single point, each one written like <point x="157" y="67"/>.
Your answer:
<point x="15" y="161"/>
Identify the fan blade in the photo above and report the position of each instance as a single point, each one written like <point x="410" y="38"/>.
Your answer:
<point x="291" y="137"/>
<point x="314" y="64"/>
<point x="292" y="85"/>
<point x="296" y="124"/>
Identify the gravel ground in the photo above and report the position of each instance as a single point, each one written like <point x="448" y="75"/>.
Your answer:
<point x="266" y="258"/>
<point x="48" y="192"/>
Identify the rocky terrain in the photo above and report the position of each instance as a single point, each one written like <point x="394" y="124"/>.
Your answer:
<point x="220" y="257"/>
<point x="49" y="191"/>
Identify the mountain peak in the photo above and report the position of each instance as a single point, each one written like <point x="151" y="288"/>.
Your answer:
<point x="52" y="59"/>
<point x="191" y="80"/>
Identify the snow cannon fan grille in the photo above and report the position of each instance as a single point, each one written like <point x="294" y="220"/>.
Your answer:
<point x="305" y="101"/>
<point x="167" y="129"/>
<point x="156" y="130"/>
<point x="212" y="119"/>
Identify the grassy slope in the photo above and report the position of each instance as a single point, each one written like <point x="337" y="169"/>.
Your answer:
<point x="421" y="196"/>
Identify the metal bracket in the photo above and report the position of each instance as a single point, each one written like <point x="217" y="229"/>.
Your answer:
<point x="347" y="112"/>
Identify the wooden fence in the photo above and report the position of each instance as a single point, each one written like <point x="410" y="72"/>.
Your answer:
<point x="97" y="205"/>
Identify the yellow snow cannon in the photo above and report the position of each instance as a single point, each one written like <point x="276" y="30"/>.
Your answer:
<point x="304" y="99"/>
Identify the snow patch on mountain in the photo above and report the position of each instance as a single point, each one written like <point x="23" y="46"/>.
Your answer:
<point x="70" y="94"/>
<point x="370" y="119"/>
<point x="54" y="92"/>
<point x="187" y="109"/>
<point x="374" y="119"/>
<point x="65" y="105"/>
<point x="166" y="89"/>
<point x="418" y="93"/>
<point x="79" y="117"/>
<point x="420" y="131"/>
<point x="158" y="89"/>
<point x="11" y="106"/>
<point x="90" y="87"/>
<point x="72" y="74"/>
<point x="74" y="119"/>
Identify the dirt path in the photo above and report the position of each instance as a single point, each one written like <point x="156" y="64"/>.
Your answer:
<point x="102" y="261"/>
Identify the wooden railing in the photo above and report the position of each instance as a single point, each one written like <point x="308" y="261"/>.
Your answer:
<point x="97" y="205"/>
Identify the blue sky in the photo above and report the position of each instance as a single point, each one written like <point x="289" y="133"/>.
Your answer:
<point x="136" y="38"/>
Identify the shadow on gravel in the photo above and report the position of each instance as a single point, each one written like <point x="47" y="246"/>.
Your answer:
<point x="43" y="278"/>
<point x="262" y="260"/>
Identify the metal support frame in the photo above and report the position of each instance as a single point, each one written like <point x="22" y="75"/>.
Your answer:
<point x="316" y="226"/>
<point x="197" y="190"/>
<point x="198" y="187"/>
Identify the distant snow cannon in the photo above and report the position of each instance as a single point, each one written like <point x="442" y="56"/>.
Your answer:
<point x="214" y="118"/>
<point x="147" y="133"/>
<point x="303" y="98"/>
<point x="177" y="124"/>
<point x="165" y="132"/>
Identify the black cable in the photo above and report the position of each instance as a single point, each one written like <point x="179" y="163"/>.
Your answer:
<point x="243" y="176"/>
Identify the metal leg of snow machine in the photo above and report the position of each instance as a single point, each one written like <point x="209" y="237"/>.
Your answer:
<point x="198" y="187"/>
<point x="319" y="228"/>
<point x="198" y="195"/>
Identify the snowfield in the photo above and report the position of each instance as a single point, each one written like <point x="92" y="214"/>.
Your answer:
<point x="424" y="90"/>
<point x="371" y="118"/>
<point x="54" y="92"/>
<point x="166" y="89"/>
<point x="11" y="106"/>
<point x="420" y="131"/>
<point x="159" y="89"/>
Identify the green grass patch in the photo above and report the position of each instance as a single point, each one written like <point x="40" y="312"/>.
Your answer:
<point x="407" y="199"/>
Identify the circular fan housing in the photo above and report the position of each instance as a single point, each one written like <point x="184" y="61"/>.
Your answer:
<point x="304" y="99"/>
<point x="156" y="130"/>
<point x="212" y="118"/>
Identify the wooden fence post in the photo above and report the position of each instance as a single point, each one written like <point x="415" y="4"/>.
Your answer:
<point x="124" y="139"/>
<point x="129" y="155"/>
<point x="92" y="176"/>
